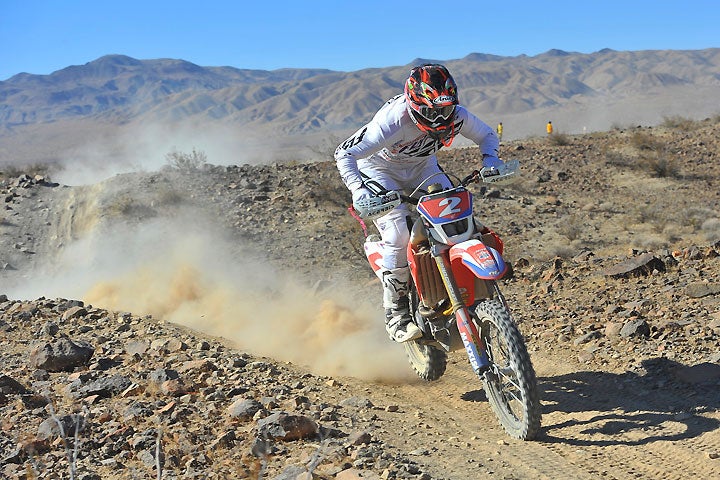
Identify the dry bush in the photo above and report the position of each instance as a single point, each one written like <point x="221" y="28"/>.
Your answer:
<point x="696" y="217"/>
<point x="652" y="214"/>
<point x="13" y="171"/>
<point x="660" y="164"/>
<point x="125" y="206"/>
<point x="644" y="141"/>
<point x="559" y="139"/>
<point x="561" y="250"/>
<point x="615" y="157"/>
<point x="571" y="228"/>
<point x="679" y="122"/>
<point x="186" y="162"/>
<point x="648" y="242"/>
<point x="653" y="156"/>
<point x="349" y="228"/>
<point x="169" y="196"/>
<point x="711" y="228"/>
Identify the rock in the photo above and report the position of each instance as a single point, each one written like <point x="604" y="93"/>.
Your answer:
<point x="63" y="354"/>
<point x="635" y="328"/>
<point x="699" y="290"/>
<point x="244" y="408"/>
<point x="10" y="386"/>
<point x="73" y="313"/>
<point x="644" y="264"/>
<point x="61" y="426"/>
<point x="287" y="427"/>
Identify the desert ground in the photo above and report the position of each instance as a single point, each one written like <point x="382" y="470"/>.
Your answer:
<point x="220" y="321"/>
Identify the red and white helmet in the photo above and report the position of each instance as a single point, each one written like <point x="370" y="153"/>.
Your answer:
<point x="431" y="95"/>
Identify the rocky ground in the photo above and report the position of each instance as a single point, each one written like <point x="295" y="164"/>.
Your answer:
<point x="614" y="241"/>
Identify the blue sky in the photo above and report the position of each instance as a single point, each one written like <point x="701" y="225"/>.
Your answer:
<point x="41" y="36"/>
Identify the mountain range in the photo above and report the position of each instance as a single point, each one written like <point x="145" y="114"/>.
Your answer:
<point x="117" y="103"/>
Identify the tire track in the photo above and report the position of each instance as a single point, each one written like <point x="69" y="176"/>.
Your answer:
<point x="595" y="425"/>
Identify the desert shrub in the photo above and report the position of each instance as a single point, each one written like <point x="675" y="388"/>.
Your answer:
<point x="617" y="159"/>
<point x="127" y="206"/>
<point x="571" y="228"/>
<point x="186" y="162"/>
<point x="653" y="156"/>
<point x="696" y="217"/>
<point x="561" y="250"/>
<point x="652" y="214"/>
<point x="659" y="164"/>
<point x="711" y="228"/>
<point x="649" y="242"/>
<point x="169" y="196"/>
<point x="678" y="122"/>
<point x="644" y="141"/>
<point x="559" y="139"/>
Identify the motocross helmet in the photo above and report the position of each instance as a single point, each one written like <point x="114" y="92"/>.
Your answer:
<point x="431" y="96"/>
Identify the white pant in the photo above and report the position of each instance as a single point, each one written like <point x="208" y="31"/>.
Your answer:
<point x="379" y="174"/>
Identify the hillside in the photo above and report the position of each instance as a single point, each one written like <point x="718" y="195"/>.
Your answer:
<point x="117" y="107"/>
<point x="210" y="309"/>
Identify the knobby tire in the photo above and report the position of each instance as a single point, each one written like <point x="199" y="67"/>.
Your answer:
<point x="510" y="384"/>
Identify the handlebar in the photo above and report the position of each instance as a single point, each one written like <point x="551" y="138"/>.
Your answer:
<point x="377" y="206"/>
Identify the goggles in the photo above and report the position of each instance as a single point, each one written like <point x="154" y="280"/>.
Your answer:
<point x="434" y="113"/>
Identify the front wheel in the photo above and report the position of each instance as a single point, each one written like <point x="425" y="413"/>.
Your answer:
<point x="510" y="383"/>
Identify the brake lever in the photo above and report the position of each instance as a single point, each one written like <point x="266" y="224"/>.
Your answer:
<point x="472" y="178"/>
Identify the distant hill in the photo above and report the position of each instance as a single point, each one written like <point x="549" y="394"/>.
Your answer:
<point x="89" y="107"/>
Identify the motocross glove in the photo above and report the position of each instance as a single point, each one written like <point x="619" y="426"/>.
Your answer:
<point x="360" y="196"/>
<point x="491" y="165"/>
<point x="491" y="162"/>
<point x="361" y="193"/>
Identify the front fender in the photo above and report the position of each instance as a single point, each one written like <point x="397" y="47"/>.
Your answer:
<point x="483" y="261"/>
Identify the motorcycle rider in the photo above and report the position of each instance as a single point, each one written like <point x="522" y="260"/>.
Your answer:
<point x="396" y="150"/>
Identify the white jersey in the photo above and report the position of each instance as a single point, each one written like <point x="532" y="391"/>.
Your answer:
<point x="391" y="137"/>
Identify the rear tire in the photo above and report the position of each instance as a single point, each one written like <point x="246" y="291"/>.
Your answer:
<point x="427" y="361"/>
<point x="510" y="383"/>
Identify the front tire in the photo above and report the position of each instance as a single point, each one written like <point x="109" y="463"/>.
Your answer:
<point x="510" y="383"/>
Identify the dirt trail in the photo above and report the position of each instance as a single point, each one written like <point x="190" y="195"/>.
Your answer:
<point x="595" y="425"/>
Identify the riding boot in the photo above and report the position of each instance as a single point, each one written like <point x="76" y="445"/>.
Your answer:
<point x="398" y="321"/>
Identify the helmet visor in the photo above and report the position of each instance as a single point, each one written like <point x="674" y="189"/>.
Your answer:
<point x="434" y="114"/>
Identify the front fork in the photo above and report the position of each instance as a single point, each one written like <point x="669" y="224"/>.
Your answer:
<point x="474" y="345"/>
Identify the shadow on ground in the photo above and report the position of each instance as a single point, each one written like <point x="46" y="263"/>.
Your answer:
<point x="632" y="408"/>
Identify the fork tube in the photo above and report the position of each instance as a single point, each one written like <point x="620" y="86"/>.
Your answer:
<point x="468" y="333"/>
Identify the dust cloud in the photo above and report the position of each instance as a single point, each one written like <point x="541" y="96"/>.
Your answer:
<point x="143" y="147"/>
<point x="202" y="281"/>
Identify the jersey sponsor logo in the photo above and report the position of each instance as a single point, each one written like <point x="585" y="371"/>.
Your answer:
<point x="421" y="146"/>
<point x="354" y="140"/>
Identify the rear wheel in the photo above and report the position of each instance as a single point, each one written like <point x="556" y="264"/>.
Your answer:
<point x="427" y="361"/>
<point x="510" y="383"/>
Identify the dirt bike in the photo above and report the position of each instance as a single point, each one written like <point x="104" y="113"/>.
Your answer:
<point x="455" y="263"/>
